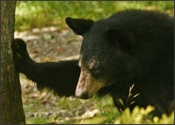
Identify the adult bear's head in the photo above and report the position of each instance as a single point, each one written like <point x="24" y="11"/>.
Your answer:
<point x="104" y="58"/>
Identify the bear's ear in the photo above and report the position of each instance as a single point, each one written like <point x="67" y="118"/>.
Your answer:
<point x="118" y="37"/>
<point x="79" y="26"/>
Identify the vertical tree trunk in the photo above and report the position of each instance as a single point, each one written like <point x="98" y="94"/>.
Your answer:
<point x="11" y="103"/>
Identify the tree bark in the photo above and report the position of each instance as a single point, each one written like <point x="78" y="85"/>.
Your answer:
<point x="11" y="102"/>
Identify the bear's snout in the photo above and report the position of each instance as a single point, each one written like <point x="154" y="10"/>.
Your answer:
<point x="82" y="95"/>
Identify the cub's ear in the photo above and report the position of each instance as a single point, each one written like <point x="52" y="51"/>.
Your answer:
<point x="79" y="26"/>
<point x="119" y="38"/>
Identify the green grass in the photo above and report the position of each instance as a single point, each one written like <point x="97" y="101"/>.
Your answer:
<point x="108" y="113"/>
<point x="37" y="14"/>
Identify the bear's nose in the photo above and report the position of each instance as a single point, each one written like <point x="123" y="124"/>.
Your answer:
<point x="81" y="95"/>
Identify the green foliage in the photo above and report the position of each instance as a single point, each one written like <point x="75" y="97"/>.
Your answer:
<point x="108" y="113"/>
<point x="140" y="116"/>
<point x="165" y="119"/>
<point x="32" y="14"/>
<point x="36" y="120"/>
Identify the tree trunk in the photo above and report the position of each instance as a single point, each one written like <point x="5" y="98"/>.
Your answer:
<point x="11" y="103"/>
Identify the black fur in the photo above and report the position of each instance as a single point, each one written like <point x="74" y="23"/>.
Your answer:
<point x="61" y="77"/>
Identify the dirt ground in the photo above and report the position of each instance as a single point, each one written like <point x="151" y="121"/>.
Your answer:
<point x="51" y="44"/>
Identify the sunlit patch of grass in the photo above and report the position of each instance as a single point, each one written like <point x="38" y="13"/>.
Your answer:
<point x="38" y="120"/>
<point x="37" y="14"/>
<point x="140" y="116"/>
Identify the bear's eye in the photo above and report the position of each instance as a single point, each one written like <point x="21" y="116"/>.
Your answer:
<point x="95" y="72"/>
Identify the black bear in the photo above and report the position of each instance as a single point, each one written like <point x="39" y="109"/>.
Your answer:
<point x="130" y="50"/>
<point x="127" y="48"/>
